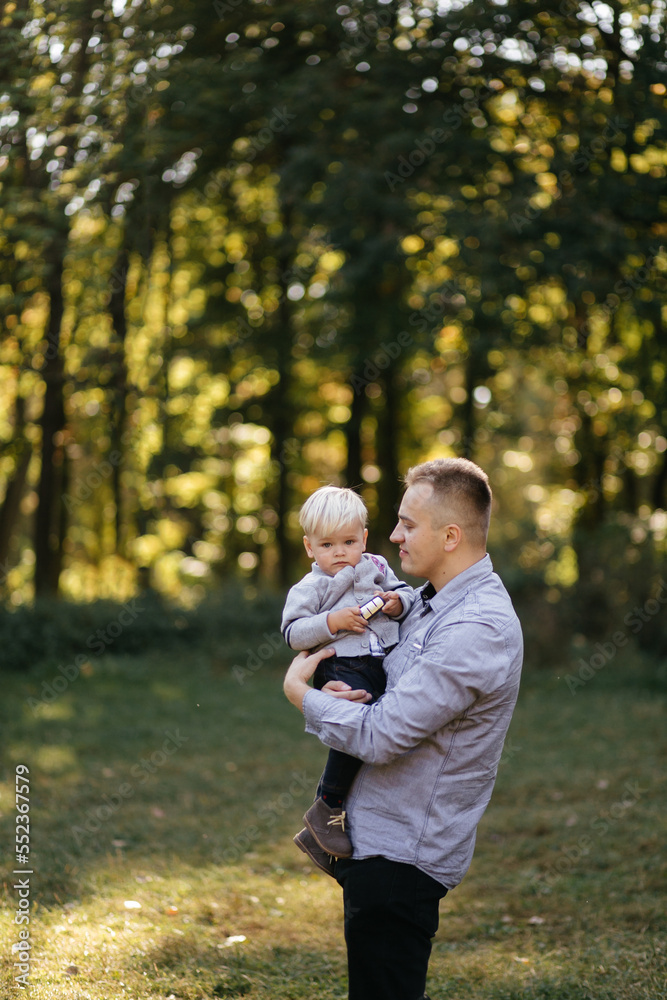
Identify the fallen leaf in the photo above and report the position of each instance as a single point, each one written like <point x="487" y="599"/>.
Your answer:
<point x="234" y="939"/>
<point x="536" y="920"/>
<point x="131" y="904"/>
<point x="524" y="961"/>
<point x="160" y="813"/>
<point x="119" y="843"/>
<point x="171" y="911"/>
<point x="72" y="970"/>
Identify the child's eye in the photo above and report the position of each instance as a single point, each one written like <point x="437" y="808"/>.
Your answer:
<point x="326" y="545"/>
<point x="350" y="541"/>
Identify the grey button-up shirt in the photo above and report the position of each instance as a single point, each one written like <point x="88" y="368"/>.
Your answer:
<point x="431" y="745"/>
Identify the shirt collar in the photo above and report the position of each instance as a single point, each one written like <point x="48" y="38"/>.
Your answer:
<point x="441" y="599"/>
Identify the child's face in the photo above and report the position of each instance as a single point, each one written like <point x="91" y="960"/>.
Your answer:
<point x="343" y="547"/>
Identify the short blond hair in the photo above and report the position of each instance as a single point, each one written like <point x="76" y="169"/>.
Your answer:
<point x="460" y="488"/>
<point x="331" y="507"/>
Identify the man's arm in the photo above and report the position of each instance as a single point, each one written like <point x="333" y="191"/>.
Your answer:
<point x="442" y="685"/>
<point x="302" y="669"/>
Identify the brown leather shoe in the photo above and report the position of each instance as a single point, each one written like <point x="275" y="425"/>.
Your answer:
<point x="327" y="826"/>
<point x="305" y="842"/>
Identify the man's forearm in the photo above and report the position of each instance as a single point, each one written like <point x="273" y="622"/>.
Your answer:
<point x="302" y="668"/>
<point x="295" y="690"/>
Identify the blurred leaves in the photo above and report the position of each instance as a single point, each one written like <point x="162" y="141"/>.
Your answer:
<point x="313" y="244"/>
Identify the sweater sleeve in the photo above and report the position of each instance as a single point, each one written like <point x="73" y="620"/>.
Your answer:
<point x="304" y="626"/>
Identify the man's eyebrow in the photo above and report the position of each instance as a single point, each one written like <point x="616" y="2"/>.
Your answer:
<point x="405" y="517"/>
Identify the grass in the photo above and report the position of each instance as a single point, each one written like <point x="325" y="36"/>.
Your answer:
<point x="161" y="780"/>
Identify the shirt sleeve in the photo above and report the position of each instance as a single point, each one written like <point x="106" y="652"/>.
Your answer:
<point x="304" y="626"/>
<point x="439" y="686"/>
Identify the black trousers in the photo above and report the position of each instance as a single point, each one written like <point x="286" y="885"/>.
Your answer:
<point x="360" y="672"/>
<point x="391" y="915"/>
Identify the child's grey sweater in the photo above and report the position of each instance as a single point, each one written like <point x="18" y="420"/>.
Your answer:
<point x="304" y="624"/>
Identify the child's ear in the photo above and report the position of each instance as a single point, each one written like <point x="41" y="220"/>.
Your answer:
<point x="308" y="547"/>
<point x="365" y="537"/>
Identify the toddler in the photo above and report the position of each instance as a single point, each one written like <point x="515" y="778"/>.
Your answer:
<point x="338" y="602"/>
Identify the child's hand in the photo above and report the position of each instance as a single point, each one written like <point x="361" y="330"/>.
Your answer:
<point x="393" y="606"/>
<point x="346" y="619"/>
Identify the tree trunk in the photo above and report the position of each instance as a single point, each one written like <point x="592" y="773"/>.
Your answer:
<point x="119" y="389"/>
<point x="10" y="507"/>
<point x="353" y="431"/>
<point x="49" y="519"/>
<point x="282" y="422"/>
<point x="386" y="449"/>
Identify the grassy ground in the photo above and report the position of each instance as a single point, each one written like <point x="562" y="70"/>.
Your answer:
<point x="162" y="781"/>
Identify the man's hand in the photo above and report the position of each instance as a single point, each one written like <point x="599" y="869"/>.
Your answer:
<point x="339" y="689"/>
<point x="393" y="605"/>
<point x="346" y="619"/>
<point x="299" y="672"/>
<point x="302" y="668"/>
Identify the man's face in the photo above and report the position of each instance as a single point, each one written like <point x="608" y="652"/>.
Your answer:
<point x="421" y="546"/>
<point x="343" y="547"/>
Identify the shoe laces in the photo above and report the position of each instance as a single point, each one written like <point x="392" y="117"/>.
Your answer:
<point x="338" y="820"/>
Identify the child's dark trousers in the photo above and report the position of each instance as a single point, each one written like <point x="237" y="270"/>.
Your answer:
<point x="360" y="672"/>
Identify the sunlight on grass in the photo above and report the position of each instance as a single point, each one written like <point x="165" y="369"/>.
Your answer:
<point x="563" y="900"/>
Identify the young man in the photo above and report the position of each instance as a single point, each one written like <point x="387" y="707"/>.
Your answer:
<point x="431" y="745"/>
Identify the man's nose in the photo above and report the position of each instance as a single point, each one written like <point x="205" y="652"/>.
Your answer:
<point x="397" y="534"/>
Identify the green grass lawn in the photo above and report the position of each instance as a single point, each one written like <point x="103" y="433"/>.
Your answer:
<point x="162" y="781"/>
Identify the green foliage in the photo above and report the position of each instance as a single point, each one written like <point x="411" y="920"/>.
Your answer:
<point x="51" y="632"/>
<point x="277" y="245"/>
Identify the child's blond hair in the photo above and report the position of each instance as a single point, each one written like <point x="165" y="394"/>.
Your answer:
<point x="331" y="507"/>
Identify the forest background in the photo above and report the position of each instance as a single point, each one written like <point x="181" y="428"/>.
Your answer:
<point x="247" y="248"/>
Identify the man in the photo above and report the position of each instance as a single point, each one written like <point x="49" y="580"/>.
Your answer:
<point x="431" y="745"/>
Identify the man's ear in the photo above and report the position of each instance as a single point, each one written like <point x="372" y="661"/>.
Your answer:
<point x="308" y="547"/>
<point x="452" y="536"/>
